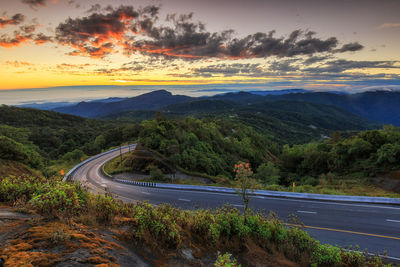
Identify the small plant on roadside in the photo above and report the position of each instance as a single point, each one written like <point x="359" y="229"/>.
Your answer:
<point x="243" y="177"/>
<point x="60" y="236"/>
<point x="226" y="260"/>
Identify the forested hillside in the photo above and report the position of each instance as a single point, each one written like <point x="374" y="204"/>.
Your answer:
<point x="206" y="146"/>
<point x="378" y="106"/>
<point x="282" y="121"/>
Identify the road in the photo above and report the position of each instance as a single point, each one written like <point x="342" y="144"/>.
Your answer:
<point x="371" y="226"/>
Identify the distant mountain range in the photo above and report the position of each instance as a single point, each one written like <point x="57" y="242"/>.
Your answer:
<point x="150" y="101"/>
<point x="379" y="106"/>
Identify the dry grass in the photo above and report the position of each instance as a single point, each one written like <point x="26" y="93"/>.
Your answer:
<point x="59" y="241"/>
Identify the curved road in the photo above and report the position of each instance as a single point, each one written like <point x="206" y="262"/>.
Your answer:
<point x="374" y="227"/>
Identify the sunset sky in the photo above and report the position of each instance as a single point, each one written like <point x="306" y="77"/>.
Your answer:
<point x="313" y="44"/>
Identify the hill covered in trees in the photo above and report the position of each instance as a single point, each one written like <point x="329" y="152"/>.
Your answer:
<point x="378" y="106"/>
<point x="283" y="121"/>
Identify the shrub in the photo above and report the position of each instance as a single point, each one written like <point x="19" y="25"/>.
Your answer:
<point x="14" y="188"/>
<point x="63" y="200"/>
<point x="226" y="260"/>
<point x="106" y="207"/>
<point x="155" y="224"/>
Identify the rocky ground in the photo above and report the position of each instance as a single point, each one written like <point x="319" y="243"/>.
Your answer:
<point x="29" y="240"/>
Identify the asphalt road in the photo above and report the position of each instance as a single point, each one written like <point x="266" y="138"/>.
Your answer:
<point x="370" y="226"/>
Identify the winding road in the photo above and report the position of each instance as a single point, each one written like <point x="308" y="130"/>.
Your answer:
<point x="371" y="226"/>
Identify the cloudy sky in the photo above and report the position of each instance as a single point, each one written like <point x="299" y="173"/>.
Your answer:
<point x="312" y="44"/>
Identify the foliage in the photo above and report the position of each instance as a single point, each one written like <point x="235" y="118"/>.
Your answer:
<point x="209" y="147"/>
<point x="367" y="153"/>
<point x="165" y="227"/>
<point x="226" y="260"/>
<point x="37" y="137"/>
<point x="268" y="173"/>
<point x="74" y="156"/>
<point x="245" y="182"/>
<point x="156" y="173"/>
<point x="60" y="199"/>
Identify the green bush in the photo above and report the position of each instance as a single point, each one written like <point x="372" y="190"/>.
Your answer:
<point x="60" y="199"/>
<point x="106" y="207"/>
<point x="226" y="260"/>
<point x="165" y="227"/>
<point x="14" y="188"/>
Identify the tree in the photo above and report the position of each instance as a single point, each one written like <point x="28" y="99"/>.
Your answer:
<point x="100" y="142"/>
<point x="243" y="177"/>
<point x="74" y="156"/>
<point x="268" y="173"/>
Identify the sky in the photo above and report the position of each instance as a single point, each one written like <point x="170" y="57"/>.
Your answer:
<point x="126" y="47"/>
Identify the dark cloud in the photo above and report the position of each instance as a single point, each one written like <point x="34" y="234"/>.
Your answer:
<point x="315" y="59"/>
<point x="14" y="20"/>
<point x="340" y="65"/>
<point x="97" y="34"/>
<point x="351" y="47"/>
<point x="38" y="3"/>
<point x="28" y="28"/>
<point x="227" y="70"/>
<point x="94" y="8"/>
<point x="16" y="40"/>
<point x="138" y="31"/>
<point x="34" y="3"/>
<point x="41" y="38"/>
<point x="19" y="38"/>
<point x="283" y="66"/>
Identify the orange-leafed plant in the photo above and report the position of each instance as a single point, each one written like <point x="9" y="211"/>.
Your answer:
<point x="245" y="182"/>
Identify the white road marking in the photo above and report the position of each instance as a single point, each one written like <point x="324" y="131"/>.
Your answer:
<point x="288" y="199"/>
<point x="379" y="255"/>
<point x="236" y="205"/>
<point x="260" y="197"/>
<point x="184" y="199"/>
<point x="389" y="220"/>
<point x="306" y="211"/>
<point x="146" y="193"/>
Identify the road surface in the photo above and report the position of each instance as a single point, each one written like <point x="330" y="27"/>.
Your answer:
<point x="371" y="226"/>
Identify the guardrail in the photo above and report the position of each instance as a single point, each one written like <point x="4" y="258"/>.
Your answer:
<point x="266" y="193"/>
<point x="145" y="184"/>
<point x="93" y="158"/>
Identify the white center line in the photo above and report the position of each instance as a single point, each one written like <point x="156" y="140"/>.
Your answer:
<point x="389" y="220"/>
<point x="305" y="211"/>
<point x="236" y="205"/>
<point x="184" y="199"/>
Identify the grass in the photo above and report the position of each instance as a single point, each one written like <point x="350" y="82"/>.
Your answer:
<point x="114" y="167"/>
<point x="165" y="228"/>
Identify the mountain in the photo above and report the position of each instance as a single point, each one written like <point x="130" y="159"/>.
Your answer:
<point x="149" y="101"/>
<point x="284" y="121"/>
<point x="53" y="134"/>
<point x="46" y="105"/>
<point x="279" y="92"/>
<point x="380" y="106"/>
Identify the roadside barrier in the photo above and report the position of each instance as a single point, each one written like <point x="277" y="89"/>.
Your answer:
<point x="138" y="183"/>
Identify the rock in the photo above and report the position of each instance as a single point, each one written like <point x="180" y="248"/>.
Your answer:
<point x="187" y="254"/>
